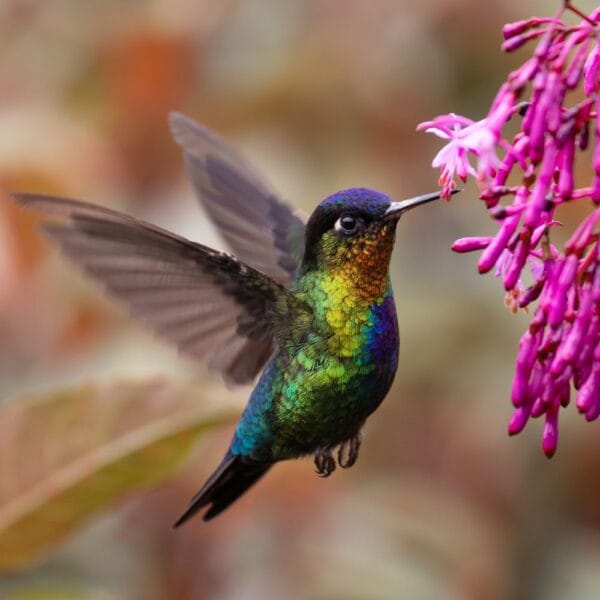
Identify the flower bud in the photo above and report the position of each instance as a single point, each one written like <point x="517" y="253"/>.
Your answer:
<point x="469" y="244"/>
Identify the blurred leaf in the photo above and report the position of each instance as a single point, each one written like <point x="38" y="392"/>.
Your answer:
<point x="64" y="456"/>
<point x="49" y="592"/>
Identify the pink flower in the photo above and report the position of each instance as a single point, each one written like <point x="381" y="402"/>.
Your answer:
<point x="563" y="341"/>
<point x="466" y="137"/>
<point x="561" y="348"/>
<point x="591" y="72"/>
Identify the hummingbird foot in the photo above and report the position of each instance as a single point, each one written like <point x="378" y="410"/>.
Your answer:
<point x="324" y="462"/>
<point x="348" y="451"/>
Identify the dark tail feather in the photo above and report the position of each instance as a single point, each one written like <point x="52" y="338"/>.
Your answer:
<point x="229" y="481"/>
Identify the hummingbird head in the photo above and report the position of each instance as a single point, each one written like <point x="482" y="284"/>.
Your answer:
<point x="354" y="230"/>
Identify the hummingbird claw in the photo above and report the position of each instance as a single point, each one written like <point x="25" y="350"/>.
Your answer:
<point x="348" y="451"/>
<point x="324" y="462"/>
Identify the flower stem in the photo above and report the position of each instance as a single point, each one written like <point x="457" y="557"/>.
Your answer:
<point x="569" y="6"/>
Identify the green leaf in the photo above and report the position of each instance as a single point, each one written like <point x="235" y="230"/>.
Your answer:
<point x="65" y="456"/>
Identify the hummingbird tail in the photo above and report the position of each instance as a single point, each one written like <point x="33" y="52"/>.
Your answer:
<point x="229" y="481"/>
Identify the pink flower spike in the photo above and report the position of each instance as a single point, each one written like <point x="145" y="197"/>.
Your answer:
<point x="550" y="434"/>
<point x="513" y="272"/>
<point x="595" y="192"/>
<point x="565" y="48"/>
<point x="552" y="102"/>
<point x="588" y="398"/>
<point x="576" y="67"/>
<point x="518" y="78"/>
<point x="566" y="181"/>
<point x="538" y="408"/>
<point x="593" y="412"/>
<point x="591" y="72"/>
<point x="549" y="295"/>
<point x="469" y="244"/>
<point x="502" y="212"/>
<point x="581" y="238"/>
<point x="596" y="159"/>
<point x="509" y="225"/>
<point x="558" y="305"/>
<point x="528" y="347"/>
<point x="583" y="364"/>
<point x="519" y="420"/>
<point x="538" y="196"/>
<point x="596" y="285"/>
<point x="532" y="293"/>
<point x="511" y="29"/>
<point x="504" y="170"/>
<point x="516" y="28"/>
<point x="543" y="110"/>
<point x="570" y="347"/>
<point x="495" y="248"/>
<point x="545" y="44"/>
<point x="517" y="41"/>
<point x="501" y="111"/>
<point x="536" y="384"/>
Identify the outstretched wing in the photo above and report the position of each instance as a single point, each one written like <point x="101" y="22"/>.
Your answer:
<point x="205" y="302"/>
<point x="261" y="229"/>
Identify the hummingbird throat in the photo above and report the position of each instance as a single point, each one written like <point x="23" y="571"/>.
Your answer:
<point x="362" y="267"/>
<point x="351" y="282"/>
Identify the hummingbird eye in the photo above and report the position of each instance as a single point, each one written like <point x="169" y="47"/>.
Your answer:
<point x="347" y="224"/>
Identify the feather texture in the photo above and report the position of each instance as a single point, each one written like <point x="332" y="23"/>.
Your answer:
<point x="207" y="303"/>
<point x="231" y="479"/>
<point x="261" y="229"/>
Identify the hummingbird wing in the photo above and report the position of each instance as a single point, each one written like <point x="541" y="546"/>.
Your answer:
<point x="261" y="229"/>
<point x="204" y="301"/>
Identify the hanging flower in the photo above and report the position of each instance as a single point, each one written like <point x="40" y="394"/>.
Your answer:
<point x="561" y="348"/>
<point x="465" y="138"/>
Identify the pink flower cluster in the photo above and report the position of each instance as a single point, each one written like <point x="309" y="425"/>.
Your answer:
<point x="522" y="189"/>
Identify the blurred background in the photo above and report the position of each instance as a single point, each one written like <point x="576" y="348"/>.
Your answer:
<point x="105" y="433"/>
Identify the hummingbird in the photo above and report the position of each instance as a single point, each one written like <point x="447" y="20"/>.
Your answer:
<point x="307" y="301"/>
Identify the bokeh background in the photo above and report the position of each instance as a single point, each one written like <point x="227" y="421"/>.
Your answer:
<point x="322" y="95"/>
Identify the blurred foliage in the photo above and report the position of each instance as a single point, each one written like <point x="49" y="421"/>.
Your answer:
<point x="321" y="94"/>
<point x="67" y="455"/>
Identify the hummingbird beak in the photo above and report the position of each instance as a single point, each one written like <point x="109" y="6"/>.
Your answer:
<point x="397" y="209"/>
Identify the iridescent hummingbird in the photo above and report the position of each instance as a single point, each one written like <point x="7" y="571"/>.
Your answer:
<point x="309" y="298"/>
